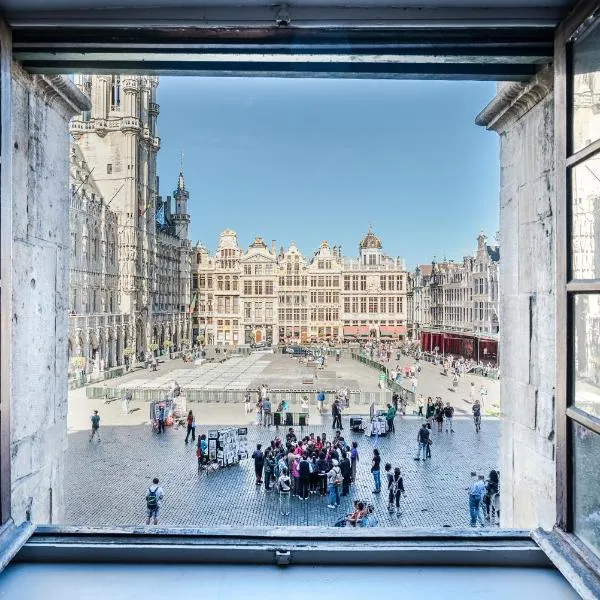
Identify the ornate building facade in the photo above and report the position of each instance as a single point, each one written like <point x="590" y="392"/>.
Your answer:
<point x="454" y="305"/>
<point x="283" y="297"/>
<point x="130" y="270"/>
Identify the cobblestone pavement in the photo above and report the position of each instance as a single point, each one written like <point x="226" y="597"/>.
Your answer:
<point x="106" y="482"/>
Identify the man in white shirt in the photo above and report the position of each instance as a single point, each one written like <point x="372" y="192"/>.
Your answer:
<point x="154" y="500"/>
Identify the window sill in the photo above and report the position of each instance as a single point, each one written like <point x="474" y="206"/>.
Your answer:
<point x="577" y="563"/>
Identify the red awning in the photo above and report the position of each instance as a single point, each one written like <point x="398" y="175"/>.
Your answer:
<point x="363" y="330"/>
<point x="350" y="330"/>
<point x="393" y="330"/>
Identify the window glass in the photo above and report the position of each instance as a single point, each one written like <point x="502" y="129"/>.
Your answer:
<point x="586" y="320"/>
<point x="585" y="219"/>
<point x="586" y="485"/>
<point x="586" y="89"/>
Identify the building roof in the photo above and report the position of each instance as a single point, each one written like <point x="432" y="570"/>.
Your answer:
<point x="425" y="269"/>
<point x="371" y="241"/>
<point x="258" y="243"/>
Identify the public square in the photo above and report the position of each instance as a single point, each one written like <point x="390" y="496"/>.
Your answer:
<point x="105" y="483"/>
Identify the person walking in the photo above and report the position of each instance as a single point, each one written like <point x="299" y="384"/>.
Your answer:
<point x="258" y="412"/>
<point x="346" y="470"/>
<point x="420" y="405"/>
<point x="95" y="419"/>
<point x="191" y="427"/>
<point x="476" y="408"/>
<point x="423" y="438"/>
<point x="334" y="480"/>
<point x="376" y="470"/>
<point x="354" y="458"/>
<point x="321" y="401"/>
<point x="449" y="415"/>
<point x="336" y="412"/>
<point x="439" y="416"/>
<point x="259" y="462"/>
<point x="476" y="493"/>
<point x="390" y="415"/>
<point x="284" y="486"/>
<point x="126" y="400"/>
<point x="154" y="500"/>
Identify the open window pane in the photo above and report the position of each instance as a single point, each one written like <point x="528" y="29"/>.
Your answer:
<point x="585" y="219"/>
<point x="587" y="352"/>
<point x="586" y="485"/>
<point x="586" y="90"/>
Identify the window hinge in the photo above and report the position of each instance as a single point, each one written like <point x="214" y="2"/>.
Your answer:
<point x="282" y="16"/>
<point x="283" y="558"/>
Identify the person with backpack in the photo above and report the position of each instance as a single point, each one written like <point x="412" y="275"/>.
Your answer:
<point x="449" y="414"/>
<point x="284" y="486"/>
<point x="259" y="462"/>
<point x="477" y="415"/>
<point x="95" y="419"/>
<point x="395" y="488"/>
<point x="154" y="500"/>
<point x="334" y="481"/>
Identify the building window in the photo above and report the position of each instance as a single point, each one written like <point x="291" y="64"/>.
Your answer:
<point x="363" y="283"/>
<point x="268" y="288"/>
<point x="346" y="283"/>
<point x="115" y="92"/>
<point x="247" y="288"/>
<point x="258" y="288"/>
<point x="109" y="168"/>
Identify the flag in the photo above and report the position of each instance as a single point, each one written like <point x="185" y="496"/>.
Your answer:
<point x="193" y="303"/>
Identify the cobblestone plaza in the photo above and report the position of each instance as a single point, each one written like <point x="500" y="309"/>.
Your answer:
<point x="106" y="482"/>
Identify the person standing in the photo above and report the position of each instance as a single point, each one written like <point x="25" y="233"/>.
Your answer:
<point x="449" y="414"/>
<point x="269" y="469"/>
<point x="376" y="470"/>
<point x="284" y="485"/>
<point x="346" y="471"/>
<point x="476" y="493"/>
<point x="423" y="442"/>
<point x="430" y="411"/>
<point x="161" y="418"/>
<point x="334" y="479"/>
<point x="191" y="427"/>
<point x="420" y="405"/>
<point x="95" y="419"/>
<point x="390" y="415"/>
<point x="354" y="458"/>
<point x="336" y="412"/>
<point x="439" y="416"/>
<point x="154" y="500"/>
<point x="266" y="409"/>
<point x="259" y="462"/>
<point x="396" y="488"/>
<point x="413" y="383"/>
<point x="304" y="476"/>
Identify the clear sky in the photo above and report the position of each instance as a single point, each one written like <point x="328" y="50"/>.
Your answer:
<point x="322" y="159"/>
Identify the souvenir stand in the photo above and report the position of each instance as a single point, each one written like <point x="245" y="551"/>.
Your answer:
<point x="377" y="422"/>
<point x="228" y="446"/>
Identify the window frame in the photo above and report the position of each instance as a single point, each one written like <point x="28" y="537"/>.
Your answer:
<point x="583" y="17"/>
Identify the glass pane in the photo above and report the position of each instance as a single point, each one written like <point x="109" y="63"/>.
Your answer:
<point x="587" y="352"/>
<point x="586" y="90"/>
<point x="586" y="485"/>
<point x="585" y="219"/>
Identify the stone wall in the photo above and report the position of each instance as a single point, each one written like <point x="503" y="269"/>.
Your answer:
<point x="41" y="107"/>
<point x="523" y="115"/>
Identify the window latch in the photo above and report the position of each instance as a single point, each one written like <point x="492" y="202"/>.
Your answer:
<point x="283" y="558"/>
<point x="282" y="16"/>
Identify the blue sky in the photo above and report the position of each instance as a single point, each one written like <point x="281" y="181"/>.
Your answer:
<point x="321" y="159"/>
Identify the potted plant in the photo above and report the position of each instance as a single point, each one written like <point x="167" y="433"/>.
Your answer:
<point x="168" y="345"/>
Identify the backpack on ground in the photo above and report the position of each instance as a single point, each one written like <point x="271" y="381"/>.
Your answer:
<point x="152" y="499"/>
